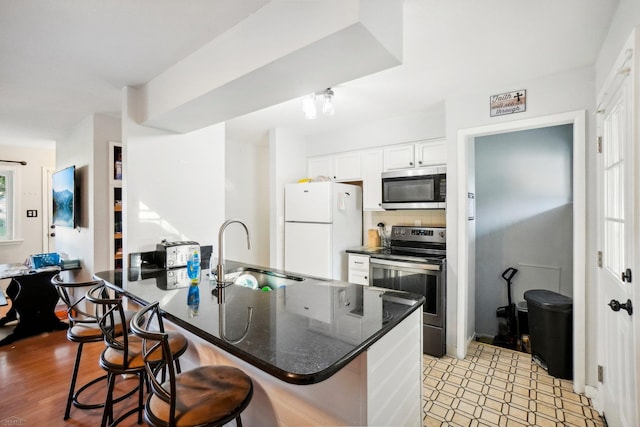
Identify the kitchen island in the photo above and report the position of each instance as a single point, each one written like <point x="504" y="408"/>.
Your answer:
<point x="319" y="352"/>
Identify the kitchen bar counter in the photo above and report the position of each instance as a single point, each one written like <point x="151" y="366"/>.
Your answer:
<point x="319" y="352"/>
<point x="301" y="334"/>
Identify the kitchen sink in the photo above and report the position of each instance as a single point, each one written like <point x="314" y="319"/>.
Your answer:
<point x="258" y="279"/>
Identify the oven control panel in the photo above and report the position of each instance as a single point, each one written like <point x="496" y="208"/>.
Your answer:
<point x="418" y="234"/>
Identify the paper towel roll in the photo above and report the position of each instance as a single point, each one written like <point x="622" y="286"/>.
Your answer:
<point x="373" y="240"/>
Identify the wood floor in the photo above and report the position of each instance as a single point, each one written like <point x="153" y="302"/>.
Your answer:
<point x="34" y="382"/>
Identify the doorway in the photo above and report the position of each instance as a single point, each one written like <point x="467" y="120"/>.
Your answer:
<point x="466" y="229"/>
<point x="524" y="218"/>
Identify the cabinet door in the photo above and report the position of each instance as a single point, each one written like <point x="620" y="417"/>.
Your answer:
<point x="372" y="166"/>
<point x="346" y="167"/>
<point x="320" y="166"/>
<point x="398" y="157"/>
<point x="431" y="153"/>
<point x="359" y="269"/>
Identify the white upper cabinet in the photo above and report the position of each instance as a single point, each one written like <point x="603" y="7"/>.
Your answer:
<point x="346" y="167"/>
<point x="431" y="153"/>
<point x="320" y="166"/>
<point x="339" y="167"/>
<point x="420" y="154"/>
<point x="399" y="157"/>
<point x="372" y="167"/>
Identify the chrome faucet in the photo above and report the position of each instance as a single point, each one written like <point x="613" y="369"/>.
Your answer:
<point x="220" y="285"/>
<point x="220" y="267"/>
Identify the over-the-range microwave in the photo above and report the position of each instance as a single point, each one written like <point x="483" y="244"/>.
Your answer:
<point x="418" y="188"/>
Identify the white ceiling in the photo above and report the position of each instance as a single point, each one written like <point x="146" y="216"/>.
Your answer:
<point x="61" y="60"/>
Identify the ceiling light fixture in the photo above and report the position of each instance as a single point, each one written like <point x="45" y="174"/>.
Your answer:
<point x="309" y="104"/>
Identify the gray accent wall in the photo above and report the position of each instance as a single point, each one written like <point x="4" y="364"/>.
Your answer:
<point x="523" y="217"/>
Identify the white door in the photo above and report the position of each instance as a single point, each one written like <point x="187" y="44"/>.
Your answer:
<point x="307" y="249"/>
<point x="308" y="202"/>
<point x="617" y="228"/>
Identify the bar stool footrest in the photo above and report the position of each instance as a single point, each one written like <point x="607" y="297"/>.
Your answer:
<point x="82" y="405"/>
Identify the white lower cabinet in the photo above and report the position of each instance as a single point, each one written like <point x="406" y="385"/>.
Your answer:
<point x="359" y="269"/>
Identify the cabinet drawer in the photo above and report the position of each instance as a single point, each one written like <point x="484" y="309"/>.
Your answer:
<point x="359" y="262"/>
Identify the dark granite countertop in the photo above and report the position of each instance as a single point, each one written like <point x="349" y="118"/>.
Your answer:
<point x="302" y="333"/>
<point x="365" y="250"/>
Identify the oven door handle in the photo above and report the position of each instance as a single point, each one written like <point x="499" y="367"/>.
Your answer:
<point x="400" y="264"/>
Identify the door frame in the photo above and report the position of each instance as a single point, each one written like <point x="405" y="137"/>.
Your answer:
<point x="47" y="200"/>
<point x="466" y="228"/>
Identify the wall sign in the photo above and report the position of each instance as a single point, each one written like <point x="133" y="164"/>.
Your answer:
<point x="508" y="103"/>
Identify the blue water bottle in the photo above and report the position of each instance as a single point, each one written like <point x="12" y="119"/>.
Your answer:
<point x="193" y="299"/>
<point x="193" y="267"/>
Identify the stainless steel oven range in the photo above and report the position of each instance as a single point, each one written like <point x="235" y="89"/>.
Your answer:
<point x="416" y="263"/>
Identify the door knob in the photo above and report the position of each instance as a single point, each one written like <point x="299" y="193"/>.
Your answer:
<point x="626" y="275"/>
<point x="616" y="306"/>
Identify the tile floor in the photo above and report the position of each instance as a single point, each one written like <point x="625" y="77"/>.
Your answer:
<point x="494" y="386"/>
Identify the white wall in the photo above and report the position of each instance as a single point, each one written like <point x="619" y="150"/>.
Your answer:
<point x="29" y="197"/>
<point x="173" y="186"/>
<point x="523" y="217"/>
<point x="287" y="160"/>
<point x="247" y="199"/>
<point x="429" y="124"/>
<point x="626" y="17"/>
<point x="77" y="149"/>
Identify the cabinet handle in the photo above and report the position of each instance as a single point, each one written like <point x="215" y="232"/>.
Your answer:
<point x="358" y="262"/>
<point x="410" y="163"/>
<point x="366" y="278"/>
<point x="420" y="162"/>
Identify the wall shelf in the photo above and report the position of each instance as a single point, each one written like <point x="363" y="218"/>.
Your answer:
<point x="115" y="201"/>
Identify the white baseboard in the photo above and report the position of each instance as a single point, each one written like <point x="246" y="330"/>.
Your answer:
<point x="593" y="394"/>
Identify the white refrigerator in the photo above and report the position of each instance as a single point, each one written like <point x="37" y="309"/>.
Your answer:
<point x="322" y="220"/>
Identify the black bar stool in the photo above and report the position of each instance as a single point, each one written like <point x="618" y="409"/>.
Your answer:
<point x="83" y="328"/>
<point x="204" y="396"/>
<point x="123" y="352"/>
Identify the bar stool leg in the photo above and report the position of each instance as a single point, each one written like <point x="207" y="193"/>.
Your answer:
<point x="141" y="397"/>
<point x="107" y="415"/>
<point x="74" y="377"/>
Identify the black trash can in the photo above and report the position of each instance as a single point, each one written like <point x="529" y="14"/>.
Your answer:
<point x="551" y="331"/>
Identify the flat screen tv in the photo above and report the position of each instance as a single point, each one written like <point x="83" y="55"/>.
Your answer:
<point x="64" y="197"/>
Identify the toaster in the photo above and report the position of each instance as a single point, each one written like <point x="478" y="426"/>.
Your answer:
<point x="175" y="254"/>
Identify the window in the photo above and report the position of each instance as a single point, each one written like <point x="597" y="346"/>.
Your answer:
<point x="7" y="204"/>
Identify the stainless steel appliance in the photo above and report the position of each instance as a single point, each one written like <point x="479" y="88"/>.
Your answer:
<point x="175" y="254"/>
<point x="419" y="188"/>
<point x="416" y="263"/>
